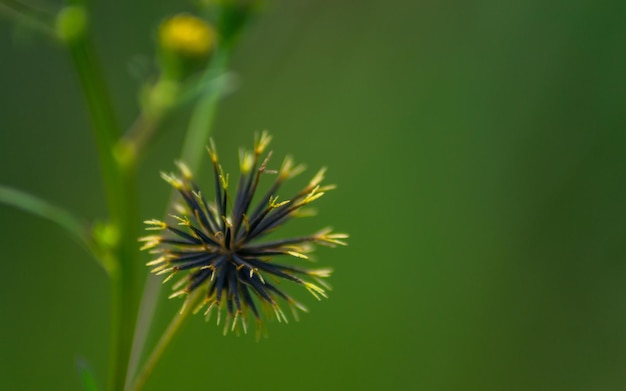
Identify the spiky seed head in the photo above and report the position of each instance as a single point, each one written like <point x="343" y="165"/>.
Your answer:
<point x="217" y="245"/>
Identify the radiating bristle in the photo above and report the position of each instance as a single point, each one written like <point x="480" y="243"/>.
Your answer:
<point x="214" y="243"/>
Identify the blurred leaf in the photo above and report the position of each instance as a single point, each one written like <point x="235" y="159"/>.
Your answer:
<point x="38" y="207"/>
<point x="29" y="20"/>
<point x="86" y="376"/>
<point x="225" y="83"/>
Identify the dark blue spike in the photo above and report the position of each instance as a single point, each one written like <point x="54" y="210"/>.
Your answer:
<point x="233" y="286"/>
<point x="178" y="242"/>
<point x="248" y="299"/>
<point x="192" y="264"/>
<point x="260" y="288"/>
<point x="278" y="292"/>
<point x="270" y="218"/>
<point x="218" y="194"/>
<point x="227" y="237"/>
<point x="240" y="261"/>
<point x="184" y="235"/>
<point x="224" y="206"/>
<point x="262" y="253"/>
<point x="211" y="289"/>
<point x="204" y="236"/>
<point x="229" y="305"/>
<point x="197" y="211"/>
<point x="256" y="221"/>
<point x="221" y="278"/>
<point x="239" y="196"/>
<point x="287" y="268"/>
<point x="245" y="196"/>
<point x="197" y="278"/>
<point x="263" y="202"/>
<point x="184" y="257"/>
<point x="277" y="243"/>
<point x="211" y="218"/>
<point x="277" y="217"/>
<point x="273" y="269"/>
<point x="201" y="218"/>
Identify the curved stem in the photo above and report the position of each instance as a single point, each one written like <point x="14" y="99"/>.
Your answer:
<point x="43" y="209"/>
<point x="38" y="207"/>
<point x="197" y="137"/>
<point x="38" y="18"/>
<point x="164" y="341"/>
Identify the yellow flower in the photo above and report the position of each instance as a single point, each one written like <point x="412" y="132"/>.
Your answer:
<point x="187" y="35"/>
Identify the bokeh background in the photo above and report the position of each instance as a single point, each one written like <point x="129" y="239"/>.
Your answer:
<point x="479" y="149"/>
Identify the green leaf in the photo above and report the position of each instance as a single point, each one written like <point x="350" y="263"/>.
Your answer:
<point x="86" y="376"/>
<point x="38" y="207"/>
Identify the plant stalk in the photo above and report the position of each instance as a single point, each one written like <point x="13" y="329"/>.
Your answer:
<point x="164" y="341"/>
<point x="119" y="179"/>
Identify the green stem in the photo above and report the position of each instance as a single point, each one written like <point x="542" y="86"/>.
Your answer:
<point x="140" y="134"/>
<point x="159" y="101"/>
<point x="203" y="115"/>
<point x="197" y="137"/>
<point x="119" y="182"/>
<point x="166" y="338"/>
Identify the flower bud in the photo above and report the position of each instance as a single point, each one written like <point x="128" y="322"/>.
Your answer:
<point x="186" y="43"/>
<point x="71" y="24"/>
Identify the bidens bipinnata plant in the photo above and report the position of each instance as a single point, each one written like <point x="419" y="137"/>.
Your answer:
<point x="217" y="244"/>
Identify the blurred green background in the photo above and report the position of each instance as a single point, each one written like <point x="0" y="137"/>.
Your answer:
<point x="479" y="151"/>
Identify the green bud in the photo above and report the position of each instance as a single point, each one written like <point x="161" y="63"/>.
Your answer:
<point x="71" y="24"/>
<point x="161" y="97"/>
